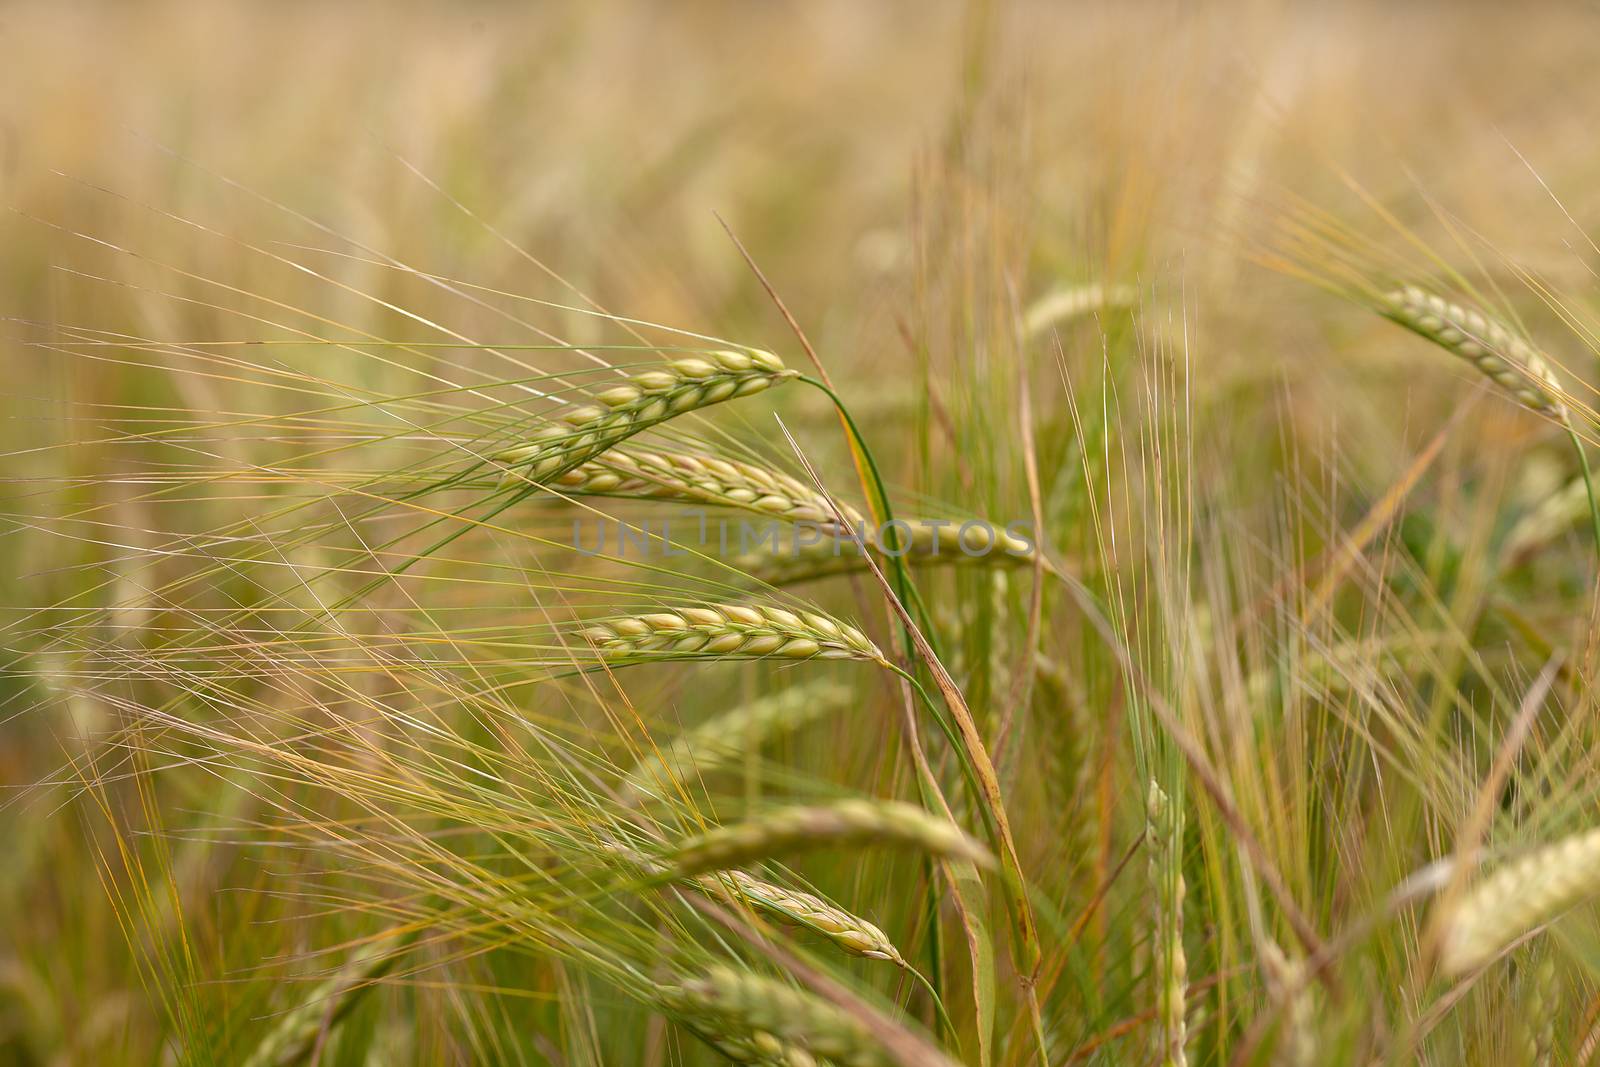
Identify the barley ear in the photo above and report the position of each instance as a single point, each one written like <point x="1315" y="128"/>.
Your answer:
<point x="1294" y="995"/>
<point x="849" y="932"/>
<point x="728" y="631"/>
<point x="701" y="478"/>
<point x="1164" y="835"/>
<point x="883" y="823"/>
<point x="585" y="431"/>
<point x="330" y="1001"/>
<point x="727" y="736"/>
<point x="1498" y="353"/>
<point x="1518" y="898"/>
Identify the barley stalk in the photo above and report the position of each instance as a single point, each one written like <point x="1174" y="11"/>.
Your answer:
<point x="1519" y="897"/>
<point x="851" y="933"/>
<point x="729" y="631"/>
<point x="645" y="399"/>
<point x="1508" y="360"/>
<point x="1164" y="833"/>
<point x="729" y="735"/>
<point x="701" y="479"/>
<point x="794" y="829"/>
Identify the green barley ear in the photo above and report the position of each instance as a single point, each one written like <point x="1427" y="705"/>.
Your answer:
<point x="853" y="934"/>
<point x="762" y="1016"/>
<point x="1164" y="834"/>
<point x="330" y="1001"/>
<point x="645" y="399"/>
<point x="1294" y="995"/>
<point x="1539" y="990"/>
<point x="728" y="631"/>
<point x="1497" y="352"/>
<point x="731" y="734"/>
<point x="699" y="478"/>
<point x="884" y="823"/>
<point x="1547" y="521"/>
<point x="1519" y="897"/>
<point x="1071" y="303"/>
<point x="751" y="1019"/>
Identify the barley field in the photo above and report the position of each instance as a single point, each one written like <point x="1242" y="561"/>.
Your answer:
<point x="873" y="535"/>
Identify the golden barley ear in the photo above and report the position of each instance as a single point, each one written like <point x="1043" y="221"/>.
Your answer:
<point x="734" y="732"/>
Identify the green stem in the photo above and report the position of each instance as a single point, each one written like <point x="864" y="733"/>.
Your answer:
<point x="907" y="592"/>
<point x="1588" y="483"/>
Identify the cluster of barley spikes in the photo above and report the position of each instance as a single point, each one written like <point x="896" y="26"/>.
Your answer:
<point x="1162" y="800"/>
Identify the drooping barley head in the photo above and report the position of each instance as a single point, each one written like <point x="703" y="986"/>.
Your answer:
<point x="650" y="397"/>
<point x="851" y="933"/>
<point x="1508" y="360"/>
<point x="1519" y="897"/>
<point x="784" y="831"/>
<point x="728" y="631"/>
